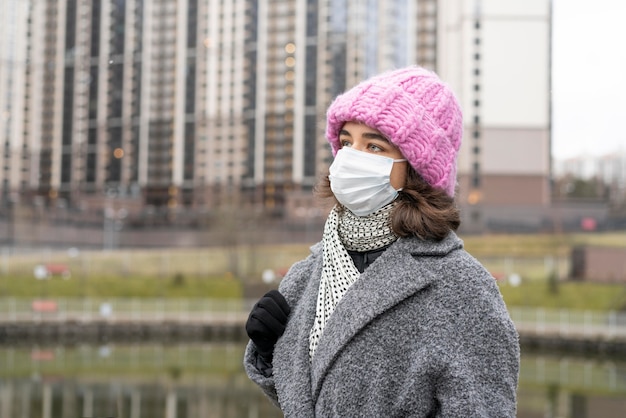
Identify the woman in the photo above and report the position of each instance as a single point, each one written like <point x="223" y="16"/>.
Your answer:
<point x="389" y="315"/>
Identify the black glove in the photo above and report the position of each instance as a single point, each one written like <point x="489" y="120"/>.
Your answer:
<point x="267" y="322"/>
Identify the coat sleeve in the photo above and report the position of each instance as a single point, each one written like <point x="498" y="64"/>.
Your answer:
<point x="266" y="383"/>
<point x="480" y="368"/>
<point x="291" y="287"/>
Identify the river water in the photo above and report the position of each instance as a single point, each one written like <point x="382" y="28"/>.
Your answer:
<point x="203" y="380"/>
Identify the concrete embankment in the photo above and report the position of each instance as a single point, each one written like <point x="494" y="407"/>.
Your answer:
<point x="97" y="331"/>
<point x="597" y="342"/>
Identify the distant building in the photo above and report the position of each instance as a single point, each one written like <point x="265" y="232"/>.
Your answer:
<point x="187" y="103"/>
<point x="605" y="174"/>
<point x="299" y="56"/>
<point x="496" y="55"/>
<point x="610" y="168"/>
<point x="14" y="168"/>
<point x="126" y="99"/>
<point x="598" y="264"/>
<point x="195" y="104"/>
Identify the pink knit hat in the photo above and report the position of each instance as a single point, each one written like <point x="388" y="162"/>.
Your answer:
<point x="416" y="111"/>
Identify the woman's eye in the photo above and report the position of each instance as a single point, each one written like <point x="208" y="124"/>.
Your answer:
<point x="345" y="143"/>
<point x="375" y="148"/>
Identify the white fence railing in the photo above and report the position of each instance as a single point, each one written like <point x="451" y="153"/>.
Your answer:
<point x="119" y="309"/>
<point x="582" y="324"/>
<point x="536" y="320"/>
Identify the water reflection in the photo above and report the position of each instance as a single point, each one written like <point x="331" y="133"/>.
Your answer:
<point x="571" y="387"/>
<point x="190" y="380"/>
<point x="134" y="381"/>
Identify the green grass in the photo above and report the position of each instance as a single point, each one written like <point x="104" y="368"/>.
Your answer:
<point x="241" y="261"/>
<point x="535" y="258"/>
<point x="224" y="272"/>
<point x="538" y="245"/>
<point x="569" y="295"/>
<point x="103" y="286"/>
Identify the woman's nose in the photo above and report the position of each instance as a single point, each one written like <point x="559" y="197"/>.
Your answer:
<point x="358" y="145"/>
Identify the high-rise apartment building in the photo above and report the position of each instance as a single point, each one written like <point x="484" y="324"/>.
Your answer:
<point x="496" y="55"/>
<point x="300" y="54"/>
<point x="14" y="166"/>
<point x="185" y="103"/>
<point x="124" y="98"/>
<point x="199" y="103"/>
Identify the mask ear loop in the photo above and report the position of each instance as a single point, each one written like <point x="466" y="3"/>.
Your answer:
<point x="402" y="160"/>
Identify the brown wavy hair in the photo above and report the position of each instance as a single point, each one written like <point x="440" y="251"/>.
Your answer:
<point x="420" y="211"/>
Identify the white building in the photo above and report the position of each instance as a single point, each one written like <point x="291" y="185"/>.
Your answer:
<point x="13" y="60"/>
<point x="609" y="168"/>
<point x="180" y="103"/>
<point x="496" y="55"/>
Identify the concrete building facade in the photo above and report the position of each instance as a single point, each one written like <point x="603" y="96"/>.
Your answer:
<point x="496" y="55"/>
<point x="200" y="103"/>
<point x="300" y="54"/>
<point x="14" y="168"/>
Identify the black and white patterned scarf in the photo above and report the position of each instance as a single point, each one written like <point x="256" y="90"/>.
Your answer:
<point x="345" y="231"/>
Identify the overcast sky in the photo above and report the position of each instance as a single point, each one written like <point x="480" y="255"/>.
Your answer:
<point x="589" y="77"/>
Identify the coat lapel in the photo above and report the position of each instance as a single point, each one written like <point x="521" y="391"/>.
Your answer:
<point x="395" y="276"/>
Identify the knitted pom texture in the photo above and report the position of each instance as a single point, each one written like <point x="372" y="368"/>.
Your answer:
<point x="416" y="111"/>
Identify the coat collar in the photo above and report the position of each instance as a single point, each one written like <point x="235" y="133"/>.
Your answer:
<point x="393" y="277"/>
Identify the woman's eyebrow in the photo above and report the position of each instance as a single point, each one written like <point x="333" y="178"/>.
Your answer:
<point x="368" y="135"/>
<point x="374" y="135"/>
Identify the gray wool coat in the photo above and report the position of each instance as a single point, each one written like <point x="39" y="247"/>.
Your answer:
<point x="423" y="332"/>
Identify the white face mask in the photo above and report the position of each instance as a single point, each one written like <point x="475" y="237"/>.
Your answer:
<point x="360" y="180"/>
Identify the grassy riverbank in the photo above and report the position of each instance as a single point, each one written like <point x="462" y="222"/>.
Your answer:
<point x="226" y="272"/>
<point x="178" y="286"/>
<point x="567" y="295"/>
